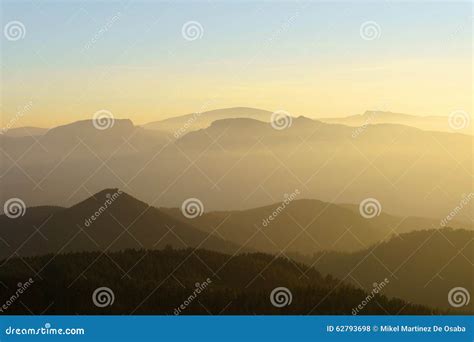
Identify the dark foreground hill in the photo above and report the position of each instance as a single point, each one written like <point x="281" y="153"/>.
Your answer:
<point x="166" y="282"/>
<point x="423" y="266"/>
<point x="108" y="221"/>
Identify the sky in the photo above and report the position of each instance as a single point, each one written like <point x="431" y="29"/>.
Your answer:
<point x="134" y="59"/>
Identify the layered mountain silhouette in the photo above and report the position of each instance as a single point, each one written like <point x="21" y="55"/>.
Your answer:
<point x="82" y="139"/>
<point x="119" y="222"/>
<point x="303" y="226"/>
<point x="244" y="163"/>
<point x="396" y="164"/>
<point x="372" y="117"/>
<point x="194" y="121"/>
<point x="204" y="119"/>
<point x="423" y="266"/>
<point x="161" y="282"/>
<point x="24" y="131"/>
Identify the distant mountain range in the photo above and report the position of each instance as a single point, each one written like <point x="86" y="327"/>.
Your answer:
<point x="81" y="139"/>
<point x="244" y="163"/>
<point x="374" y="117"/>
<point x="304" y="226"/>
<point x="161" y="282"/>
<point x="24" y="131"/>
<point x="195" y="121"/>
<point x="199" y="120"/>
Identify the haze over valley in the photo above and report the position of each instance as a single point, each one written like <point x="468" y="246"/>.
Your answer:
<point x="236" y="158"/>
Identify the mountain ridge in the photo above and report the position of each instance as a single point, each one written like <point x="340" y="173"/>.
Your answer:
<point x="101" y="222"/>
<point x="423" y="265"/>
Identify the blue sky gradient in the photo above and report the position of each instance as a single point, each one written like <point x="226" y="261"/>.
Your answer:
<point x="245" y="45"/>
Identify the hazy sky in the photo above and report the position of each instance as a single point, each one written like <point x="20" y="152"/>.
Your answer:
<point x="309" y="58"/>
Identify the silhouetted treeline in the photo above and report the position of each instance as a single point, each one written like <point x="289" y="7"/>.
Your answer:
<point x="426" y="265"/>
<point x="158" y="282"/>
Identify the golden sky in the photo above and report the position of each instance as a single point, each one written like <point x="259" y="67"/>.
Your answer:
<point x="310" y="61"/>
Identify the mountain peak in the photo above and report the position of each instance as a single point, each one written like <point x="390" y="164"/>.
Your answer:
<point x="387" y="115"/>
<point x="376" y="111"/>
<point x="235" y="122"/>
<point x="110" y="197"/>
<point x="241" y="108"/>
<point x="87" y="126"/>
<point x="304" y="119"/>
<point x="108" y="193"/>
